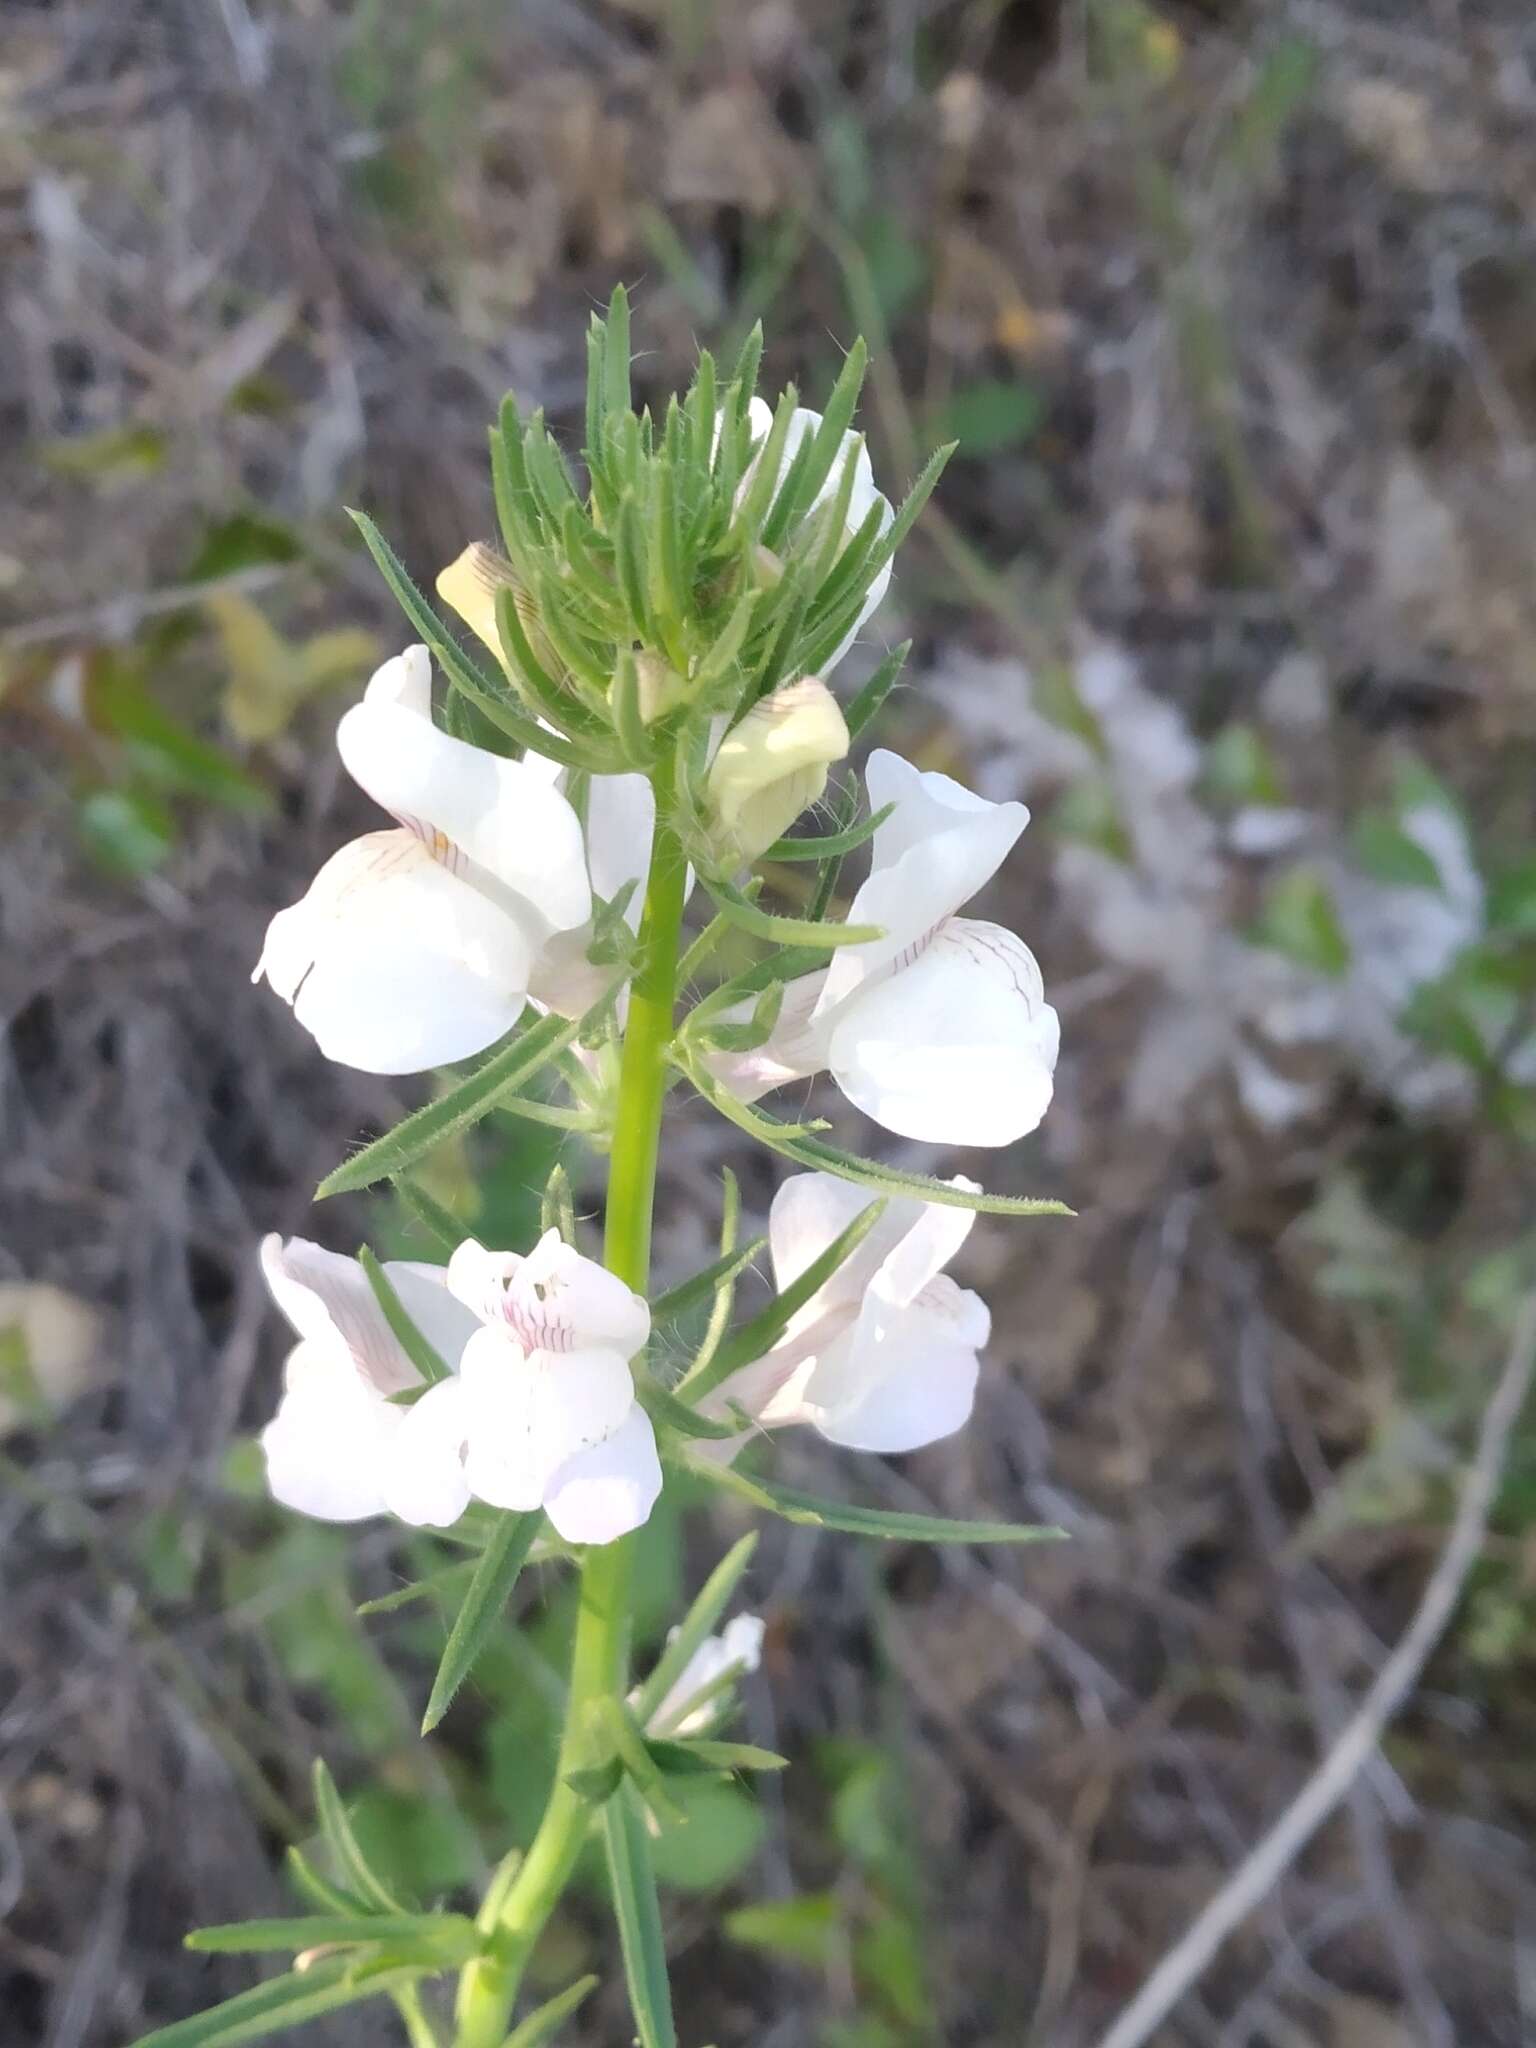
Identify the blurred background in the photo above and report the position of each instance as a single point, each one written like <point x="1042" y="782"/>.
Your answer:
<point x="1232" y="310"/>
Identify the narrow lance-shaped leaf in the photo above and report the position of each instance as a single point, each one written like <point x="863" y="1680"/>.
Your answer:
<point x="434" y="1586"/>
<point x="557" y="1208"/>
<point x="890" y="1524"/>
<point x="441" y="1226"/>
<point x="823" y="448"/>
<point x="699" y="1287"/>
<point x="768" y="1326"/>
<point x="869" y="700"/>
<point x="823" y="845"/>
<point x="704" y="1757"/>
<point x="464" y="1104"/>
<point x="455" y="1936"/>
<point x="457" y="666"/>
<point x="406" y="1335"/>
<point x="279" y="2006"/>
<point x="792" y="1141"/>
<point x="319" y="1891"/>
<point x="344" y="1845"/>
<point x="484" y="1602"/>
<point x="638" y="1912"/>
<point x="713" y="1598"/>
<point x="540" y="2026"/>
<point x="787" y="931"/>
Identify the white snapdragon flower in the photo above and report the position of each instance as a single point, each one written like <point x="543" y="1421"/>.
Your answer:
<point x="336" y="1447"/>
<point x="772" y="764"/>
<point x="884" y="1357"/>
<point x="419" y="946"/>
<point x="938" y="1030"/>
<point x="737" y="1650"/>
<point x="541" y="1411"/>
<point x="865" y="496"/>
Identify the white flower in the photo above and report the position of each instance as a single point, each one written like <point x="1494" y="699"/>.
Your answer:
<point x="736" y="1650"/>
<point x="864" y="498"/>
<point x="542" y="1410"/>
<point x="884" y="1356"/>
<point x="772" y="765"/>
<point x="335" y="1448"/>
<point x="417" y="947"/>
<point x="938" y="1030"/>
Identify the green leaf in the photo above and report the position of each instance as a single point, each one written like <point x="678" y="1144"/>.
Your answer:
<point x="557" y="1208"/>
<point x="824" y="845"/>
<point x="445" y="1229"/>
<point x="344" y="1846"/>
<point x="665" y="1408"/>
<point x="699" y="1287"/>
<point x="625" y="1740"/>
<point x="462" y="672"/>
<point x="793" y="1141"/>
<point x="638" y="1912"/>
<point x="701" y="1756"/>
<point x="456" y="1936"/>
<point x="285" y="2003"/>
<point x="130" y="832"/>
<point x="484" y="1602"/>
<point x="1389" y="854"/>
<point x="888" y="1523"/>
<point x="871" y="697"/>
<point x="406" y="1335"/>
<point x="448" y="1580"/>
<point x="784" y="931"/>
<point x="817" y="454"/>
<point x="616" y="385"/>
<point x="319" y="1891"/>
<point x="711" y="1602"/>
<point x="1299" y="919"/>
<point x="540" y="2026"/>
<point x="805" y="1929"/>
<point x="464" y="1104"/>
<point x="769" y="1324"/>
<point x="992" y="416"/>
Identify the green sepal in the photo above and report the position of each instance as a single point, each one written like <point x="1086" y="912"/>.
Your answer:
<point x="750" y="1033"/>
<point x="402" y="1329"/>
<point x="344" y="1845"/>
<point x="890" y="1524"/>
<point x="521" y="1057"/>
<point x="819" y="450"/>
<point x="320" y="1892"/>
<point x="484" y="1601"/>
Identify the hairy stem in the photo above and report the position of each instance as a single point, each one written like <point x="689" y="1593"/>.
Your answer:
<point x="600" y="1655"/>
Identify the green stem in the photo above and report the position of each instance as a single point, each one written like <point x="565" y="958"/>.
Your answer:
<point x="600" y="1654"/>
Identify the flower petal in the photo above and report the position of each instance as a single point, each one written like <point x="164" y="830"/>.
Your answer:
<point x="603" y="1493"/>
<point x="328" y="1444"/>
<point x="809" y="1211"/>
<point x="405" y="681"/>
<point x="530" y="1412"/>
<point x="905" y="1379"/>
<point x="329" y="1302"/>
<point x="939" y="846"/>
<point x="926" y="1247"/>
<point x="500" y="815"/>
<point x="559" y="1301"/>
<point x="796" y="1046"/>
<point x="958" y="1048"/>
<point x="424" y="1479"/>
<point x="393" y="964"/>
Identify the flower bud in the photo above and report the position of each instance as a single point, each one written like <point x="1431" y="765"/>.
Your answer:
<point x="661" y="688"/>
<point x="469" y="585"/>
<point x="772" y="764"/>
